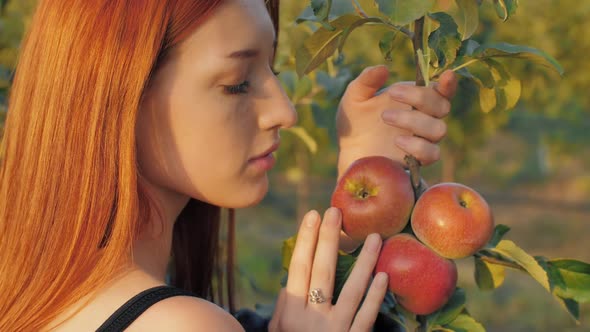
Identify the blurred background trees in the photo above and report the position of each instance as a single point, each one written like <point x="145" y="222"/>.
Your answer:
<point x="531" y="162"/>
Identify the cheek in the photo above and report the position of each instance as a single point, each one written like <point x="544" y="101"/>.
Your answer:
<point x="200" y="149"/>
<point x="216" y="163"/>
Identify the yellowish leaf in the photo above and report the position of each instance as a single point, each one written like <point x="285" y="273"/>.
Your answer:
<point x="302" y="134"/>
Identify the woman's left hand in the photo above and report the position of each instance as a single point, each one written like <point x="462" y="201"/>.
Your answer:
<point x="371" y="123"/>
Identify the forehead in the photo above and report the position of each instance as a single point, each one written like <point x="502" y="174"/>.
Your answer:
<point x="234" y="23"/>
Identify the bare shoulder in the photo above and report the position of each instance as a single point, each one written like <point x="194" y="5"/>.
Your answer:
<point x="185" y="314"/>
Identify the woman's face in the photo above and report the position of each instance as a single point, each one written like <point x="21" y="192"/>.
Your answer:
<point x="212" y="113"/>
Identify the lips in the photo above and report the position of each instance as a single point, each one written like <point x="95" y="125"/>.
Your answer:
<point x="266" y="152"/>
<point x="264" y="161"/>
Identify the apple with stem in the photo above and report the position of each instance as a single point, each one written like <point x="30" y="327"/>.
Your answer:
<point x="453" y="220"/>
<point x="375" y="195"/>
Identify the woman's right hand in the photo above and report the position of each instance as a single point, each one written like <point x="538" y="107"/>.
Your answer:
<point x="313" y="266"/>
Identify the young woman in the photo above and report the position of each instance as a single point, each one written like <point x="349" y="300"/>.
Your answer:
<point x="131" y="124"/>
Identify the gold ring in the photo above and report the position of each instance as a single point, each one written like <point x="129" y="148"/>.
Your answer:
<point x="315" y="296"/>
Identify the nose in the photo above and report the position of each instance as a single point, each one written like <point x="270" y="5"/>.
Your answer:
<point x="277" y="111"/>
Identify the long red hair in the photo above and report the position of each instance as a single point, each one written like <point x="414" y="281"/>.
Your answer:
<point x="71" y="198"/>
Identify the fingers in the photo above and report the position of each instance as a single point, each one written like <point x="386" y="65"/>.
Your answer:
<point x="427" y="100"/>
<point x="426" y="152"/>
<point x="301" y="260"/>
<point x="273" y="325"/>
<point x="447" y="84"/>
<point x="418" y="123"/>
<point x="326" y="256"/>
<point x="365" y="318"/>
<point x="366" y="85"/>
<point x="356" y="284"/>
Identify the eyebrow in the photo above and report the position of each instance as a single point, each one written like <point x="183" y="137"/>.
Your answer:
<point x="248" y="53"/>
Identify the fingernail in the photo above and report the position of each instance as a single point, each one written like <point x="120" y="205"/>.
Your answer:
<point x="312" y="219"/>
<point x="389" y="116"/>
<point x="381" y="279"/>
<point x="373" y="243"/>
<point x="333" y="216"/>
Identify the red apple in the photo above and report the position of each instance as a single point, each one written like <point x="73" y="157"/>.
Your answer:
<point x="421" y="280"/>
<point x="453" y="220"/>
<point x="375" y="196"/>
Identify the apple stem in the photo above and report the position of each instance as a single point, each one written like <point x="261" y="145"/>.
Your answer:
<point x="414" y="167"/>
<point x="418" y="43"/>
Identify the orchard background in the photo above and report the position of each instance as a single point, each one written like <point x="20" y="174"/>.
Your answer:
<point x="531" y="163"/>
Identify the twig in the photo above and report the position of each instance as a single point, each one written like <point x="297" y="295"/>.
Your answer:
<point x="418" y="42"/>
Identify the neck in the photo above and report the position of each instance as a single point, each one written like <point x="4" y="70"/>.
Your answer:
<point x="153" y="246"/>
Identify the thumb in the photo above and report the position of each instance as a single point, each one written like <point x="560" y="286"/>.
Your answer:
<point x="364" y="87"/>
<point x="447" y="84"/>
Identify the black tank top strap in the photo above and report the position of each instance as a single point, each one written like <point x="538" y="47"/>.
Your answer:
<point x="132" y="309"/>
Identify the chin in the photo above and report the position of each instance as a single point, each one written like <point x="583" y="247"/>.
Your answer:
<point x="256" y="194"/>
<point x="247" y="197"/>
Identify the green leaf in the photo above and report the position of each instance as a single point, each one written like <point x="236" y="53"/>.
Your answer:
<point x="445" y="40"/>
<point x="508" y="88"/>
<point x="302" y="89"/>
<point x="505" y="50"/>
<point x="344" y="267"/>
<point x="288" y="81"/>
<point x="314" y="19"/>
<point x="487" y="98"/>
<point x="355" y="25"/>
<point x="468" y="47"/>
<point x="499" y="232"/>
<point x="302" y="134"/>
<point x="465" y="323"/>
<point x="576" y="279"/>
<point x="508" y="94"/>
<point x="287" y="251"/>
<point x="572" y="307"/>
<point x="500" y="74"/>
<point x="512" y="251"/>
<point x="389" y="310"/>
<point x="449" y="311"/>
<point x="367" y="8"/>
<point x="484" y="75"/>
<point x="467" y="18"/>
<point x="322" y="44"/>
<point x="405" y="12"/>
<point x="505" y="8"/>
<point x="389" y="300"/>
<point x="321" y="8"/>
<point x="553" y="274"/>
<point x="571" y="265"/>
<point x="386" y="44"/>
<point x="488" y="276"/>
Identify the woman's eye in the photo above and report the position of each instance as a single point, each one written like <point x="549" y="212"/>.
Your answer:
<point x="238" y="88"/>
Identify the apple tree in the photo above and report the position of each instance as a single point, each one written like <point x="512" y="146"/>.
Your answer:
<point x="439" y="36"/>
